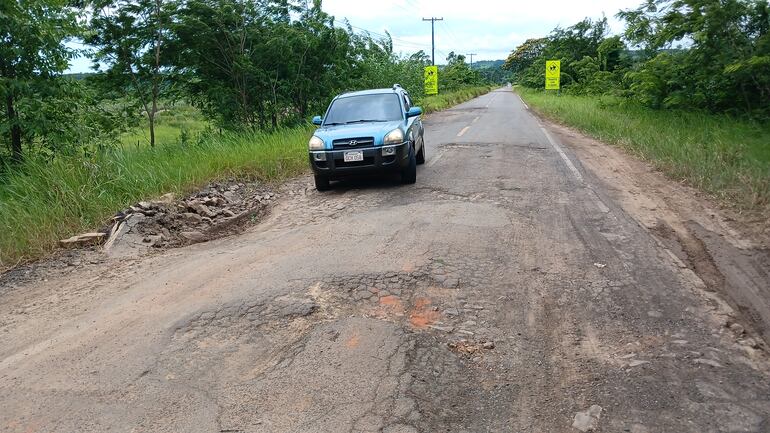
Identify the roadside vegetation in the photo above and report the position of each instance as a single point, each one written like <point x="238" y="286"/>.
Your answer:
<point x="175" y="124"/>
<point x="687" y="86"/>
<point x="726" y="157"/>
<point x="44" y="201"/>
<point x="443" y="101"/>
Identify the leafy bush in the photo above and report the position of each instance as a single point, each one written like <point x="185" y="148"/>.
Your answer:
<point x="724" y="66"/>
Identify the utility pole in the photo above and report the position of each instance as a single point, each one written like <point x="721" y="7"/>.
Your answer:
<point x="433" y="36"/>
<point x="471" y="56"/>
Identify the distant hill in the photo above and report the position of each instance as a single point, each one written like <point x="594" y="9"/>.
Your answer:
<point x="484" y="64"/>
<point x="80" y="75"/>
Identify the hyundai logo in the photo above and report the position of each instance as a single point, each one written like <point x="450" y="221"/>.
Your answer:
<point x="352" y="143"/>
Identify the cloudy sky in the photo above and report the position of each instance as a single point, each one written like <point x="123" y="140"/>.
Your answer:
<point x="489" y="28"/>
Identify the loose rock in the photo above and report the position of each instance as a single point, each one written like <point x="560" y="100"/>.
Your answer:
<point x="194" y="236"/>
<point x="84" y="239"/>
<point x="588" y="420"/>
<point x="705" y="361"/>
<point x="201" y="209"/>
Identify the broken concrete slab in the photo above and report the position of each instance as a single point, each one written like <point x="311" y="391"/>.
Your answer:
<point x="84" y="239"/>
<point x="194" y="236"/>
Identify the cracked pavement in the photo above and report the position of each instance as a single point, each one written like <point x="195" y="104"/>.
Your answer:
<point x="501" y="293"/>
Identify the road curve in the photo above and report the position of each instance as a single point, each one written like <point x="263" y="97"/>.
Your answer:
<point x="504" y="292"/>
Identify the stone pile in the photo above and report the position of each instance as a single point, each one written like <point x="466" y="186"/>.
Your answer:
<point x="213" y="211"/>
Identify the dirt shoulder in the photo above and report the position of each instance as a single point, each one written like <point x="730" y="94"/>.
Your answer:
<point x="727" y="250"/>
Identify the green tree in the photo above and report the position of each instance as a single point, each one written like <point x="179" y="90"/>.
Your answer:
<point x="525" y="54"/>
<point x="725" y="65"/>
<point x="457" y="74"/>
<point x="250" y="64"/>
<point x="32" y="54"/>
<point x="130" y="37"/>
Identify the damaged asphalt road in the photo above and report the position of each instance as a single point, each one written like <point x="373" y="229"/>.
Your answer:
<point x="507" y="291"/>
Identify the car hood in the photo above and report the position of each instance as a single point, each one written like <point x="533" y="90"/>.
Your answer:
<point x="357" y="130"/>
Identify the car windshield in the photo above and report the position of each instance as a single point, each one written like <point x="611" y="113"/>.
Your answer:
<point x="365" y="108"/>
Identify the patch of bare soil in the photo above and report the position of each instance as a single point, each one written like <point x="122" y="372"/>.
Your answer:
<point x="729" y="251"/>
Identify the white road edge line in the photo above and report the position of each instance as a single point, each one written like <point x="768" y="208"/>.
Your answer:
<point x="598" y="201"/>
<point x="522" y="101"/>
<point x="476" y="119"/>
<point x="563" y="155"/>
<point x="463" y="131"/>
<point x="591" y="192"/>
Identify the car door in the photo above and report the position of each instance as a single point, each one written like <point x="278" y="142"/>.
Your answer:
<point x="414" y="124"/>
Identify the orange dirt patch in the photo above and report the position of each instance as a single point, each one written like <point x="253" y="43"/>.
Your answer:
<point x="352" y="342"/>
<point x="391" y="301"/>
<point x="422" y="314"/>
<point x="392" y="305"/>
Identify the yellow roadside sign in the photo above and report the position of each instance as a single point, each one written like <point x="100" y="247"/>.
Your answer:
<point x="431" y="80"/>
<point x="552" y="74"/>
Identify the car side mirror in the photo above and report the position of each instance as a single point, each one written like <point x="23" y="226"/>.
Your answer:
<point x="317" y="120"/>
<point x="414" y="112"/>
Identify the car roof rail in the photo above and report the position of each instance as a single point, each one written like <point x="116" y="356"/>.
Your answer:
<point x="397" y="86"/>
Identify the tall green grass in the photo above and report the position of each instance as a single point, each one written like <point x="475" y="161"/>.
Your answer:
<point x="443" y="101"/>
<point x="42" y="202"/>
<point x="723" y="156"/>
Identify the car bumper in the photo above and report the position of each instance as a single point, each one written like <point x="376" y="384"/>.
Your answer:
<point x="332" y="163"/>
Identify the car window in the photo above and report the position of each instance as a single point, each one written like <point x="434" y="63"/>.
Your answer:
<point x="364" y="108"/>
<point x="407" y="102"/>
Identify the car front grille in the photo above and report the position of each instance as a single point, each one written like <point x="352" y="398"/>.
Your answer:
<point x="353" y="143"/>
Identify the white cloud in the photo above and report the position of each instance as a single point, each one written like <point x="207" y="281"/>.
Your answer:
<point x="491" y="28"/>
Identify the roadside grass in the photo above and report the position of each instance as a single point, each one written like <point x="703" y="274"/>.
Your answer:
<point x="726" y="157"/>
<point x="43" y="202"/>
<point x="173" y="125"/>
<point x="446" y="100"/>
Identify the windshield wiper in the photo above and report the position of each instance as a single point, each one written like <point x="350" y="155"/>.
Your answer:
<point x="366" y="120"/>
<point x="334" y="123"/>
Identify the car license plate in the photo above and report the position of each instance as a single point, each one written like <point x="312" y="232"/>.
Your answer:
<point x="354" y="156"/>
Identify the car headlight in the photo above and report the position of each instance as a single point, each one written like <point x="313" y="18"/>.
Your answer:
<point x="315" y="143"/>
<point x="395" y="136"/>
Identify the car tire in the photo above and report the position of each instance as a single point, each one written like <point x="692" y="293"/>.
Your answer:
<point x="409" y="174"/>
<point x="321" y="183"/>
<point x="421" y="154"/>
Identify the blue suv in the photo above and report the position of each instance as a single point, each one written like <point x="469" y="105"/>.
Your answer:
<point x="370" y="131"/>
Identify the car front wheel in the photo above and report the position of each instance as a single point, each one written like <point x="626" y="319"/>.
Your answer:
<point x="321" y="183"/>
<point x="421" y="154"/>
<point x="409" y="174"/>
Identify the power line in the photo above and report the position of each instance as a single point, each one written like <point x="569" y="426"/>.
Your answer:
<point x="400" y="41"/>
<point x="415" y="7"/>
<point x="433" y="36"/>
<point x="471" y="55"/>
<point x="451" y="35"/>
<point x="443" y="53"/>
